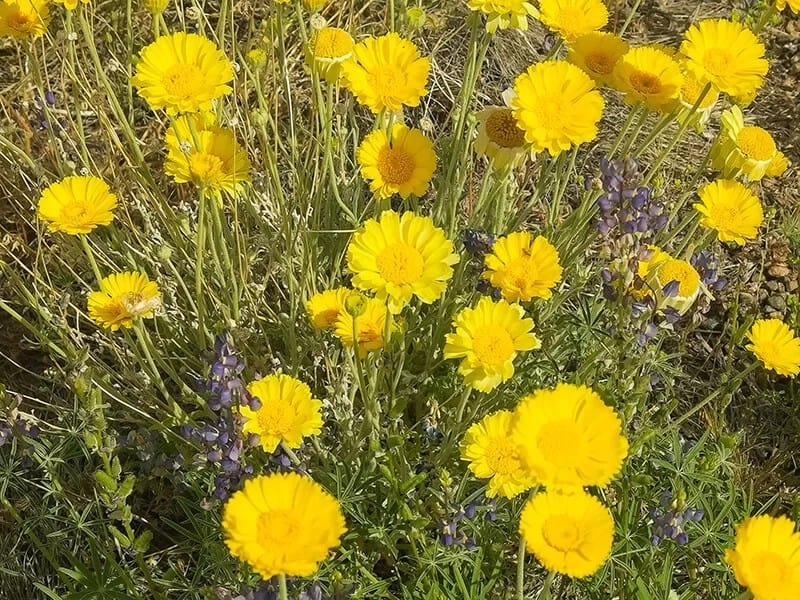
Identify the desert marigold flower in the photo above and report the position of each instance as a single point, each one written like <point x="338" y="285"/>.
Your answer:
<point x="182" y="72"/>
<point x="597" y="54"/>
<point x="731" y="209"/>
<point x="766" y="557"/>
<point x="794" y="5"/>
<point x="200" y="152"/>
<point x="493" y="455"/>
<point x="23" y="19"/>
<point x="778" y="165"/>
<point x="328" y="49"/>
<point x="676" y="282"/>
<point x="775" y="345"/>
<point x="325" y="307"/>
<point x="743" y="149"/>
<point x="557" y="106"/>
<point x="523" y="267"/>
<point x="573" y="18"/>
<point x="123" y="297"/>
<point x="403" y="165"/>
<point x="693" y="87"/>
<point x="503" y="14"/>
<point x="314" y="4"/>
<point x="727" y="54"/>
<point x="500" y="138"/>
<point x="649" y="76"/>
<point x="400" y="256"/>
<point x="363" y="324"/>
<point x="387" y="73"/>
<point x="155" y="7"/>
<point x="287" y="414"/>
<point x="77" y="204"/>
<point x="487" y="339"/>
<point x="571" y="533"/>
<point x="282" y="524"/>
<point x="569" y="437"/>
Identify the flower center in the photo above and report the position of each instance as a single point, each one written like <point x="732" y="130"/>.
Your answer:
<point x="645" y="83"/>
<point x="395" y="165"/>
<point x="756" y="143"/>
<point x="726" y="217"/>
<point x="502" y="456"/>
<point x="75" y="212"/>
<point x="492" y="345"/>
<point x="183" y="81"/>
<point x="600" y="63"/>
<point x="502" y="129"/>
<point x="205" y="167"/>
<point x="549" y="111"/>
<point x="691" y="90"/>
<point x="561" y="443"/>
<point x="276" y="419"/>
<point x="276" y="527"/>
<point x="682" y="272"/>
<point x="562" y="533"/>
<point x="386" y="80"/>
<point x="520" y="272"/>
<point x="21" y="22"/>
<point x="717" y="61"/>
<point x="332" y="42"/>
<point x="400" y="263"/>
<point x="771" y="567"/>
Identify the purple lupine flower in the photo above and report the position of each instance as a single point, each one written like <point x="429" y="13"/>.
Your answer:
<point x="670" y="518"/>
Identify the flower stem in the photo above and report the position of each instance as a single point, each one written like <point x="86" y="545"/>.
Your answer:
<point x="548" y="583"/>
<point x="90" y="255"/>
<point x="198" y="274"/>
<point x="521" y="569"/>
<point x="284" y="594"/>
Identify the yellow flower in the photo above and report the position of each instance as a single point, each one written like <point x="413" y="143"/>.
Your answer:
<point x="70" y="4"/>
<point x="557" y="106"/>
<point x="778" y="165"/>
<point x="122" y="298"/>
<point x="523" y="267"/>
<point x="676" y="283"/>
<point x="370" y="316"/>
<point x="314" y="5"/>
<point x="794" y="5"/>
<point x="156" y="7"/>
<point x="766" y="558"/>
<point x="571" y="534"/>
<point x="775" y="345"/>
<point x="209" y="156"/>
<point x="257" y="57"/>
<point x="403" y="165"/>
<point x="287" y="414"/>
<point x="400" y="256"/>
<point x="182" y="72"/>
<point x="325" y="307"/>
<point x="77" y="204"/>
<point x="693" y="86"/>
<point x="504" y="13"/>
<point x="727" y="54"/>
<point x="282" y="524"/>
<point x="648" y="75"/>
<point x="387" y="73"/>
<point x="493" y="455"/>
<point x="23" y="19"/>
<point x="573" y="18"/>
<point x="731" y="209"/>
<point x="329" y="48"/>
<point x="597" y="53"/>
<point x="488" y="338"/>
<point x="743" y="148"/>
<point x="569" y="437"/>
<point x="500" y="138"/>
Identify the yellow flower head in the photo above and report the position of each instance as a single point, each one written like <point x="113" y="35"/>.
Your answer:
<point x="488" y="338"/>
<point x="200" y="152"/>
<point x="778" y="165"/>
<point x="569" y="437"/>
<point x="287" y="414"/>
<point x="731" y="209"/>
<point x="387" y="73"/>
<point x="775" y="345"/>
<point x="77" y="204"/>
<point x="573" y="18"/>
<point x="493" y="455"/>
<point x="504" y="13"/>
<point x="743" y="149"/>
<point x="676" y="283"/>
<point x="557" y="106"/>
<point x="500" y="138"/>
<point x="766" y="558"/>
<point x="523" y="267"/>
<point x="325" y="307"/>
<point x="363" y="323"/>
<point x="693" y="86"/>
<point x="597" y="53"/>
<point x="328" y="49"/>
<point x="156" y="7"/>
<point x="794" y="5"/>
<point x="650" y="76"/>
<point x="403" y="165"/>
<point x="314" y="5"/>
<point x="400" y="256"/>
<point x="571" y="534"/>
<point x="70" y="4"/>
<point x="23" y="19"/>
<point x="727" y="54"/>
<point x="182" y="72"/>
<point x="282" y="524"/>
<point x="122" y="298"/>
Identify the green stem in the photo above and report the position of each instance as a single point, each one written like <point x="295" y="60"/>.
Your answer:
<point x="462" y="405"/>
<point x="284" y="594"/>
<point x="625" y="126"/>
<point x="631" y="14"/>
<point x="765" y="17"/>
<point x="198" y="274"/>
<point x="731" y="387"/>
<point x="548" y="583"/>
<point x="90" y="255"/>
<point x="521" y="569"/>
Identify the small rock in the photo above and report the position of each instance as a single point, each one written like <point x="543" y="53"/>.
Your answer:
<point x="792" y="285"/>
<point x="772" y="286"/>
<point x="779" y="271"/>
<point x="777" y="302"/>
